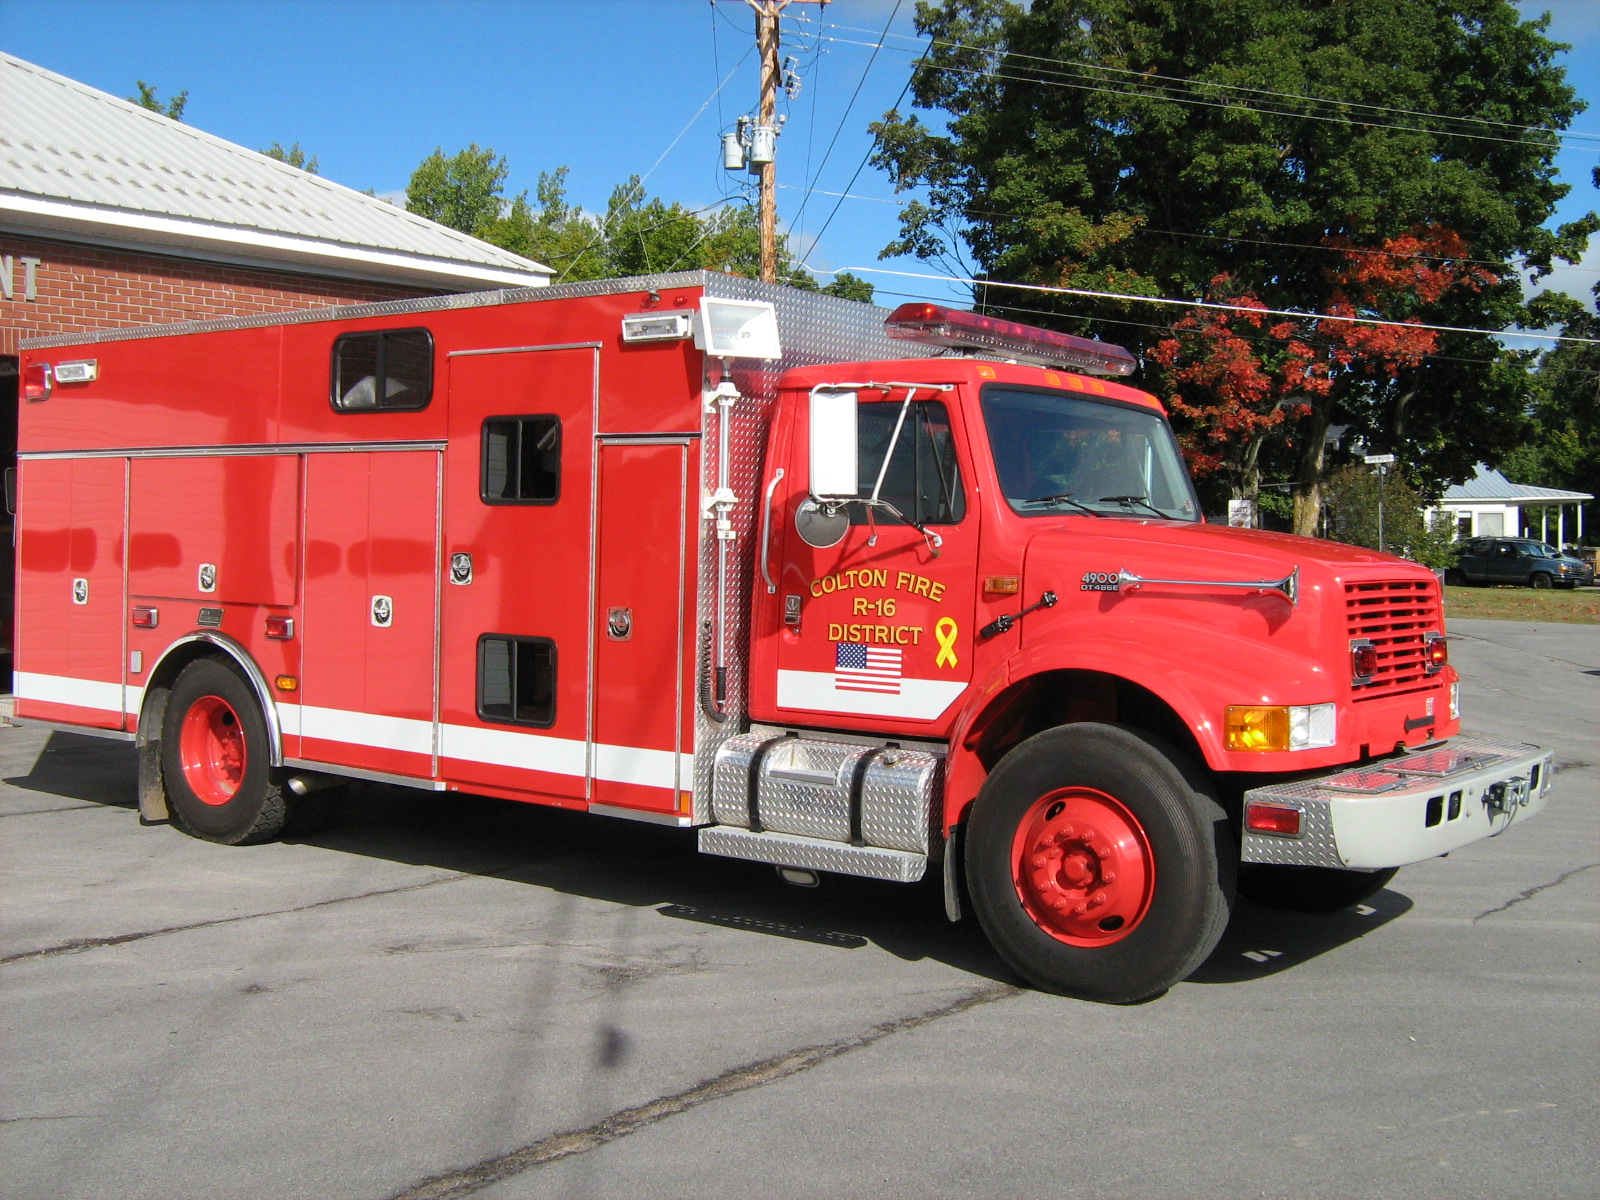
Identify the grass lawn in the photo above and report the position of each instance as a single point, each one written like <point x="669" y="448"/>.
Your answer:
<point x="1524" y="604"/>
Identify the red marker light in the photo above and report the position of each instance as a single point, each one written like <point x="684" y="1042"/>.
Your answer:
<point x="1363" y="662"/>
<point x="36" y="381"/>
<point x="1272" y="818"/>
<point x="280" y="629"/>
<point x="1435" y="653"/>
<point x="935" y="325"/>
<point x="145" y="616"/>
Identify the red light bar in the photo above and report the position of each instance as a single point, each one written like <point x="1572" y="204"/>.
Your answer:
<point x="934" y="325"/>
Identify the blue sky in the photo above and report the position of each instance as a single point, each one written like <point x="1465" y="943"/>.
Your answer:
<point x="608" y="88"/>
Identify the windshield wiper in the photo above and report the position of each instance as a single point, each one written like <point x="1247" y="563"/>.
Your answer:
<point x="1129" y="501"/>
<point x="1064" y="498"/>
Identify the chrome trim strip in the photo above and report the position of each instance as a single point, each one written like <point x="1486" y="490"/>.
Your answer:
<point x="115" y="735"/>
<point x="525" y="349"/>
<point x="394" y="308"/>
<point x="676" y="820"/>
<point x="253" y="451"/>
<point x="252" y="673"/>
<point x="322" y="768"/>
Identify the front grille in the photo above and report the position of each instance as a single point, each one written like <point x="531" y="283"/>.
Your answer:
<point x="1393" y="616"/>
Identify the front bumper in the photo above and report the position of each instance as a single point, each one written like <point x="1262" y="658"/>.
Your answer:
<point x="1404" y="809"/>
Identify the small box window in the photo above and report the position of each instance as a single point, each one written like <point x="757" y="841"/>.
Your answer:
<point x="522" y="460"/>
<point x="517" y="680"/>
<point x="386" y="370"/>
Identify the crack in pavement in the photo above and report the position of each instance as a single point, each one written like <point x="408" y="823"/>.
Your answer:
<point x="626" y="1121"/>
<point x="34" y="812"/>
<point x="75" y="945"/>
<point x="1530" y="893"/>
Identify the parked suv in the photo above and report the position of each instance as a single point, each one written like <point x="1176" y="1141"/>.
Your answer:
<point x="1517" y="560"/>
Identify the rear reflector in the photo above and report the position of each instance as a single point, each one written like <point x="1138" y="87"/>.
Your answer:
<point x="36" y="381"/>
<point x="1272" y="818"/>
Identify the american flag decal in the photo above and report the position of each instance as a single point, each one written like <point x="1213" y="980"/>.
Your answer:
<point x="862" y="668"/>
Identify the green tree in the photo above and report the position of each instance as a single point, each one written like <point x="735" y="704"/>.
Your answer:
<point x="849" y="287"/>
<point x="147" y="98"/>
<point x="294" y="156"/>
<point x="1236" y="149"/>
<point x="1352" y="516"/>
<point x="462" y="191"/>
<point x="1565" y="449"/>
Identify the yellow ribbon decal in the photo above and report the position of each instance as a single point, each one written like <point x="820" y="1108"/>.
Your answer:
<point x="946" y="631"/>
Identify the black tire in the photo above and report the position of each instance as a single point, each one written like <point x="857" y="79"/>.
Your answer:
<point x="1172" y="890"/>
<point x="215" y="759"/>
<point x="1541" y="580"/>
<point x="1309" y="889"/>
<point x="1455" y="577"/>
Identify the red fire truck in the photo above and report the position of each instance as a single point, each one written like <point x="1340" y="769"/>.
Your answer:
<point x="848" y="594"/>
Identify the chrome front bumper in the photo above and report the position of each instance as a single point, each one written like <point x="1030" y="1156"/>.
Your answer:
<point x="1402" y="810"/>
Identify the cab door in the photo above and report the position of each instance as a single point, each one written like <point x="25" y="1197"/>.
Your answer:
<point x="879" y="627"/>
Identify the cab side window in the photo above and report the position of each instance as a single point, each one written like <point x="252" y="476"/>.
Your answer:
<point x="384" y="370"/>
<point x="923" y="480"/>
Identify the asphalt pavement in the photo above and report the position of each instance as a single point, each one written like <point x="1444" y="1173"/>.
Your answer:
<point x="449" y="996"/>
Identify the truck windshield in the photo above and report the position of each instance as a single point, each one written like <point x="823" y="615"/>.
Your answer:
<point x="1059" y="453"/>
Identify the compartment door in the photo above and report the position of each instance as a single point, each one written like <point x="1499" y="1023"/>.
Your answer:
<point x="70" y="636"/>
<point x="518" y="539"/>
<point x="641" y="635"/>
<point x="369" y="644"/>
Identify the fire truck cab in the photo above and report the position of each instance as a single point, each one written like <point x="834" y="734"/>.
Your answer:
<point x="847" y="591"/>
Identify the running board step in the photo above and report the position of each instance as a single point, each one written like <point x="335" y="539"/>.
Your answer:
<point x="791" y="850"/>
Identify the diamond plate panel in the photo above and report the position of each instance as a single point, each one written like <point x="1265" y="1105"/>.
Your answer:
<point x="898" y="800"/>
<point x="812" y="328"/>
<point x="805" y="790"/>
<point x="1315" y="847"/>
<point x="786" y="850"/>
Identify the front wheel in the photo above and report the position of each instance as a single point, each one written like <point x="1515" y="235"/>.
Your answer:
<point x="215" y="759"/>
<point x="1541" y="580"/>
<point x="1309" y="889"/>
<point x="1098" y="867"/>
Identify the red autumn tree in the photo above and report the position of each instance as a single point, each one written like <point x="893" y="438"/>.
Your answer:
<point x="1245" y="378"/>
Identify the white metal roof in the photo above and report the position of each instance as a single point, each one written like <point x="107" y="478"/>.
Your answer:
<point x="80" y="164"/>
<point x="1489" y="486"/>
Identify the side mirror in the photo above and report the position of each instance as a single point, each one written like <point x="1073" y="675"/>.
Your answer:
<point x="833" y="445"/>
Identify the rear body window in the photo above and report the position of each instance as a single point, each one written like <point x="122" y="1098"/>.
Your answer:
<point x="521" y="460"/>
<point x="384" y="370"/>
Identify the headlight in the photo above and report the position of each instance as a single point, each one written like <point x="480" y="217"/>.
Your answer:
<point x="1281" y="726"/>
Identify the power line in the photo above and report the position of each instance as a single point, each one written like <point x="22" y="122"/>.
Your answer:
<point x="845" y="116"/>
<point x="1216" y="305"/>
<point x="1302" y="98"/>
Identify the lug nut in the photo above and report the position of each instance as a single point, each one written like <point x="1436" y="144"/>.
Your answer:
<point x="1079" y="909"/>
<point x="1096" y="900"/>
<point x="1107" y="877"/>
<point x="1038" y="860"/>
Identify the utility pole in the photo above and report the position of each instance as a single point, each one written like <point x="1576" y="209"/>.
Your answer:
<point x="760" y="151"/>
<point x="767" y="213"/>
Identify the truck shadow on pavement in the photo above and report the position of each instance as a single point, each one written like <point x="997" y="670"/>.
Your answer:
<point x="649" y="866"/>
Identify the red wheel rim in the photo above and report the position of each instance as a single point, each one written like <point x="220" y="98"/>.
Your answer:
<point x="212" y="749"/>
<point x="1083" y="867"/>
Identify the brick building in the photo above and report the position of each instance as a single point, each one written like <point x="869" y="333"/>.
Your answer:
<point x="111" y="214"/>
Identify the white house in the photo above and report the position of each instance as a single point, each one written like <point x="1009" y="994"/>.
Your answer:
<point x="1490" y="505"/>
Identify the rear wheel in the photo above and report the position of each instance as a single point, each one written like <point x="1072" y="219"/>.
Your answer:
<point x="1455" y="577"/>
<point x="1098" y="867"/>
<point x="215" y="759"/>
<point x="1309" y="889"/>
